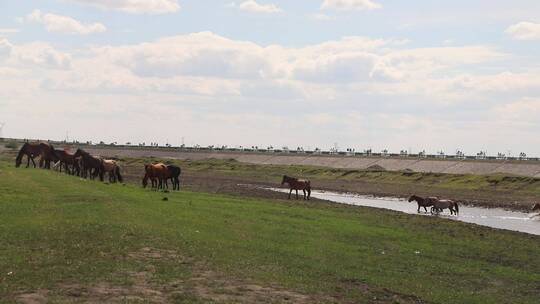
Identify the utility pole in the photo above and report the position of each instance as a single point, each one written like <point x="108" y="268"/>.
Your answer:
<point x="2" y="124"/>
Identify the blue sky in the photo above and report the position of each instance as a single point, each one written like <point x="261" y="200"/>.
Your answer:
<point x="433" y="75"/>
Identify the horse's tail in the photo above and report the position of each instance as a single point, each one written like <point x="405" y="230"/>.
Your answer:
<point x="18" y="160"/>
<point x="457" y="207"/>
<point x="118" y="175"/>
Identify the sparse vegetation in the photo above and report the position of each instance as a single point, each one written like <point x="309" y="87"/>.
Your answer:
<point x="11" y="145"/>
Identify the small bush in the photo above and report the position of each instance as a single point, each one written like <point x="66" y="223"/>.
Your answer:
<point x="11" y="145"/>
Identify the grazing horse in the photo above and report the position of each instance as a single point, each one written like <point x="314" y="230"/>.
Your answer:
<point x="69" y="161"/>
<point x="297" y="184"/>
<point x="111" y="167"/>
<point x="157" y="173"/>
<point x="440" y="205"/>
<point x="32" y="150"/>
<point x="174" y="175"/>
<point x="90" y="166"/>
<point x="421" y="201"/>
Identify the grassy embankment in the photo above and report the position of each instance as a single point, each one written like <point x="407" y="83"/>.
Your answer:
<point x="58" y="231"/>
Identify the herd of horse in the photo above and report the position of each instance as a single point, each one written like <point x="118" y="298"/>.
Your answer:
<point x="85" y="165"/>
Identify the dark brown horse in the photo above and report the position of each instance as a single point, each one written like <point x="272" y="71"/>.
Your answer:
<point x="422" y="201"/>
<point x="174" y="176"/>
<point x="32" y="150"/>
<point x="90" y="165"/>
<point x="68" y="161"/>
<point x="439" y="205"/>
<point x="157" y="173"/>
<point x="297" y="184"/>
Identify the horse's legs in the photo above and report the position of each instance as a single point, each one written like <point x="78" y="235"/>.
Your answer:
<point x="304" y="190"/>
<point x="290" y="192"/>
<point x="296" y="193"/>
<point x="28" y="161"/>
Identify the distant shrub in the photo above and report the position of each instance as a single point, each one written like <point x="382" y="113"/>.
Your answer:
<point x="11" y="145"/>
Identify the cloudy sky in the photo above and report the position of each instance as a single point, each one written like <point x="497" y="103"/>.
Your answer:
<point x="424" y="74"/>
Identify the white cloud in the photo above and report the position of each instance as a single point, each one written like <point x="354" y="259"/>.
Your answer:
<point x="385" y="88"/>
<point x="64" y="24"/>
<point x="8" y="30"/>
<point x="524" y="31"/>
<point x="254" y="7"/>
<point x="5" y="48"/>
<point x="525" y="110"/>
<point x="322" y="17"/>
<point x="350" y="4"/>
<point x="135" y="6"/>
<point x="42" y="54"/>
<point x="33" y="55"/>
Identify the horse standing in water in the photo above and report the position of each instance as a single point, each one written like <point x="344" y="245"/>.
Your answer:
<point x="440" y="205"/>
<point x="297" y="184"/>
<point x="157" y="173"/>
<point x="422" y="201"/>
<point x="32" y="150"/>
<point x="111" y="167"/>
<point x="90" y="166"/>
<point x="536" y="207"/>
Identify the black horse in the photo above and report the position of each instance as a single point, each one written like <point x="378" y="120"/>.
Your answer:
<point x="174" y="175"/>
<point x="90" y="165"/>
<point x="422" y="201"/>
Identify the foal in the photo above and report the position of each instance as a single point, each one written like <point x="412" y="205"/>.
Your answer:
<point x="440" y="205"/>
<point x="297" y="184"/>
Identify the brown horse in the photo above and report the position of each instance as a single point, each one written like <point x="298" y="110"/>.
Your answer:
<point x="32" y="150"/>
<point x="68" y="161"/>
<point x="297" y="184"/>
<point x="90" y="165"/>
<point x="157" y="173"/>
<point x="111" y="167"/>
<point x="440" y="205"/>
<point x="422" y="201"/>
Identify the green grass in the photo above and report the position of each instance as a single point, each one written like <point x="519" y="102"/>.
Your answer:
<point x="56" y="229"/>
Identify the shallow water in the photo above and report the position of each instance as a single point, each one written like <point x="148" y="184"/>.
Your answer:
<point x="491" y="217"/>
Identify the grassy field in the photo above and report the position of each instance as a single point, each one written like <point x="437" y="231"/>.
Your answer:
<point x="66" y="239"/>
